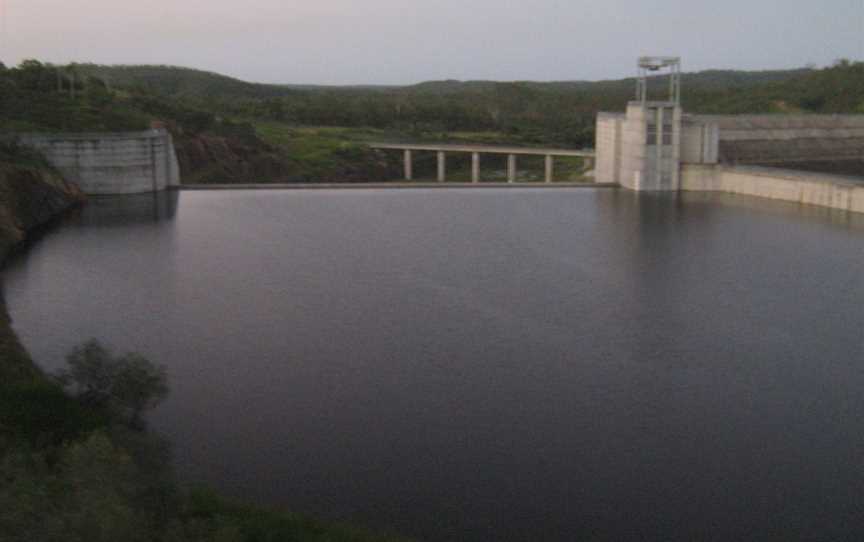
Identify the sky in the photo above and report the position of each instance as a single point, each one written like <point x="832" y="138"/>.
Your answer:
<point x="409" y="41"/>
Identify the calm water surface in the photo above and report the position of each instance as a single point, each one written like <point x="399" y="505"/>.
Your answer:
<point x="486" y="364"/>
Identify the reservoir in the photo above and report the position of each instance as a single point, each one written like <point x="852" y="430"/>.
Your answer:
<point x="485" y="364"/>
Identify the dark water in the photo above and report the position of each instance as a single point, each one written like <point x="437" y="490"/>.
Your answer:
<point x="487" y="364"/>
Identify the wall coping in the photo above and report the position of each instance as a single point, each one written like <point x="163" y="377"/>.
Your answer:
<point x="88" y="136"/>
<point x="790" y="174"/>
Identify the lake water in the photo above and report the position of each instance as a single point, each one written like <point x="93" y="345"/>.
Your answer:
<point x="489" y="364"/>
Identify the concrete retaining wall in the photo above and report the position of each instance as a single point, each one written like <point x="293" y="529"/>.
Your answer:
<point x="118" y="163"/>
<point x="824" y="190"/>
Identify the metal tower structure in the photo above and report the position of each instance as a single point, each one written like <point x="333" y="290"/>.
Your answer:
<point x="653" y="64"/>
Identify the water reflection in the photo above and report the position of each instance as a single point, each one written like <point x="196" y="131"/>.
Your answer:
<point x="123" y="210"/>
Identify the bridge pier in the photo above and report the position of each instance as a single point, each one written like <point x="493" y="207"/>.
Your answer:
<point x="442" y="166"/>
<point x="475" y="167"/>
<point x="409" y="166"/>
<point x="512" y="154"/>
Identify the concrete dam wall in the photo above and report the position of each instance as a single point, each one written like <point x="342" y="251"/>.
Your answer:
<point x="821" y="189"/>
<point x="111" y="163"/>
<point x="629" y="146"/>
<point x="653" y="146"/>
<point x="778" y="139"/>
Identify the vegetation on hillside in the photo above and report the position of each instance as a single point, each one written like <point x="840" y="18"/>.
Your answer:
<point x="212" y="146"/>
<point x="560" y="113"/>
<point x="229" y="130"/>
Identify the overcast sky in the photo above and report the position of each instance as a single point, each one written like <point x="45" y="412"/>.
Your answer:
<point x="408" y="41"/>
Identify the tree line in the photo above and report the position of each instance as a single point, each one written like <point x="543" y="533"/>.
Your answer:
<point x="561" y="113"/>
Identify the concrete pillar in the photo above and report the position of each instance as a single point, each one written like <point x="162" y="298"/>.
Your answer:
<point x="475" y="167"/>
<point x="409" y="166"/>
<point x="166" y="148"/>
<point x="550" y="167"/>
<point x="658" y="168"/>
<point x="154" y="172"/>
<point x="511" y="168"/>
<point x="442" y="167"/>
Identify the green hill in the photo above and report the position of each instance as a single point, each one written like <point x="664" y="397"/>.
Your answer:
<point x="262" y="123"/>
<point x="558" y="112"/>
<point x="182" y="82"/>
<point x="177" y="82"/>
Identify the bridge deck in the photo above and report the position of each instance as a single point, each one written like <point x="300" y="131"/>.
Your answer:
<point x="484" y="149"/>
<point x="393" y="185"/>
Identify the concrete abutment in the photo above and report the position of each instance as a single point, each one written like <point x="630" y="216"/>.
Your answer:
<point x="111" y="163"/>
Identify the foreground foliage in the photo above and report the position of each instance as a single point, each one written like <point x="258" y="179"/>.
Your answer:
<point x="79" y="466"/>
<point x="126" y="385"/>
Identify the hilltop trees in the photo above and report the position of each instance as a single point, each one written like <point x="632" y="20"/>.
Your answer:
<point x="38" y="96"/>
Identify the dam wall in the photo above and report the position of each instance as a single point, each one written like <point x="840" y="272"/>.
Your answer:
<point x="745" y="154"/>
<point x="111" y="163"/>
<point x="824" y="190"/>
<point x="779" y="139"/>
<point x="626" y="143"/>
<point x="736" y="154"/>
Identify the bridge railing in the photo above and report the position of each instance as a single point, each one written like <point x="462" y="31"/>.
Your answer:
<point x="476" y="150"/>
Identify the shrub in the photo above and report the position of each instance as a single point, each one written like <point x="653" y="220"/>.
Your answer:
<point x="127" y="384"/>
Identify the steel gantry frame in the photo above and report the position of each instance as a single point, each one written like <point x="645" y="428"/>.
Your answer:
<point x="652" y="64"/>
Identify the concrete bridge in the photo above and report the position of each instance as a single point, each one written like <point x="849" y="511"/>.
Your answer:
<point x="475" y="151"/>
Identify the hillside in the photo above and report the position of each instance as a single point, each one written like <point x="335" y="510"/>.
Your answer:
<point x="212" y="147"/>
<point x="235" y="131"/>
<point x="521" y="112"/>
<point x="704" y="80"/>
<point x="177" y="82"/>
<point x="182" y="82"/>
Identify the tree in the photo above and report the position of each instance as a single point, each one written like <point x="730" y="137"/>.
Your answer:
<point x="139" y="385"/>
<point x="92" y="371"/>
<point x="129" y="384"/>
